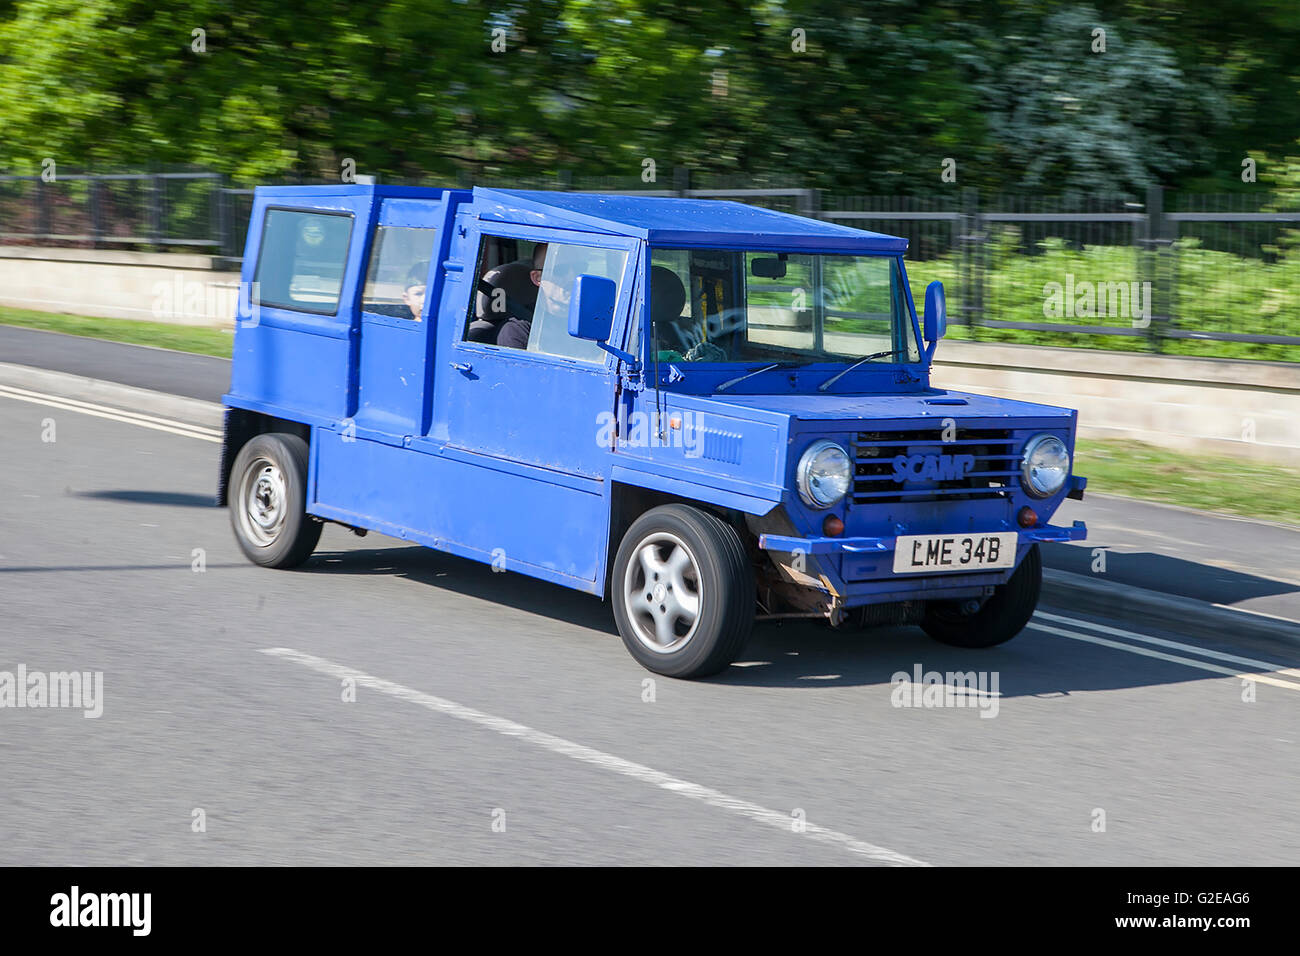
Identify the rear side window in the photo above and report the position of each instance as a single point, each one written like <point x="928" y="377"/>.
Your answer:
<point x="399" y="269"/>
<point x="302" y="260"/>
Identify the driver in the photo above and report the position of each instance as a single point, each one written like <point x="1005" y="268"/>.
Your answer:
<point x="667" y="298"/>
<point x="553" y="293"/>
<point x="514" y="332"/>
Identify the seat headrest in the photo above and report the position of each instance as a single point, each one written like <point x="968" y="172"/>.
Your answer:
<point x="667" y="294"/>
<point x="513" y="278"/>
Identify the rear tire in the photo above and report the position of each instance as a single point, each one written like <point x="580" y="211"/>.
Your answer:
<point x="683" y="592"/>
<point x="268" y="501"/>
<point x="1002" y="616"/>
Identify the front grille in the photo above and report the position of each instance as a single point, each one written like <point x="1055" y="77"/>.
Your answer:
<point x="976" y="463"/>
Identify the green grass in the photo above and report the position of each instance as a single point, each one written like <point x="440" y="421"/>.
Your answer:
<point x="182" y="338"/>
<point x="1205" y="482"/>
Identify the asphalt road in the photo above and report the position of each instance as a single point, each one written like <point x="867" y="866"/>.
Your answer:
<point x="164" y="370"/>
<point x="485" y="698"/>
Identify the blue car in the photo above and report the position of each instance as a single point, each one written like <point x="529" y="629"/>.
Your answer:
<point x="707" y="412"/>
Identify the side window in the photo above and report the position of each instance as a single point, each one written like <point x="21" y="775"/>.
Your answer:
<point x="521" y="299"/>
<point x="550" y="327"/>
<point x="696" y="306"/>
<point x="302" y="260"/>
<point x="398" y="271"/>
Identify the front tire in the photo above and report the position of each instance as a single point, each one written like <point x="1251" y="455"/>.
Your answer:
<point x="268" y="501"/>
<point x="999" y="619"/>
<point x="683" y="592"/>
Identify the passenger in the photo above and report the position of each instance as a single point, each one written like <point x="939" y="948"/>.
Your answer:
<point x="413" y="293"/>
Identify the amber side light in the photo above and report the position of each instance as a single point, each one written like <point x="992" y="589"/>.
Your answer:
<point x="832" y="527"/>
<point x="1027" y="517"/>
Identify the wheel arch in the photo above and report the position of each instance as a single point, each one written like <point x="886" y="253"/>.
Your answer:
<point x="240" y="426"/>
<point x="630" y="501"/>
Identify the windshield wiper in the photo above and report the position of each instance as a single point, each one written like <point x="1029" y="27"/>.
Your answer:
<point x="867" y="358"/>
<point x="740" y="378"/>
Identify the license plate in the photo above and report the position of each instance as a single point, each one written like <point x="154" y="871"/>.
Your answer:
<point x="954" y="552"/>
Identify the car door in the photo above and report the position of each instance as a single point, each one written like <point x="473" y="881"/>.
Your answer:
<point x="395" y="319"/>
<point x="535" y="420"/>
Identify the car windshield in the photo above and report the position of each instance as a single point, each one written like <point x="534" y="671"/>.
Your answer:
<point x="747" y="307"/>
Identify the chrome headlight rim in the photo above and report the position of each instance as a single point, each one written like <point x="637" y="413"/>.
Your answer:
<point x="803" y="478"/>
<point x="1027" y="479"/>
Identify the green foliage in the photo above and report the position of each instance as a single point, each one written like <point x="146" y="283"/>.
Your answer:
<point x="868" y="98"/>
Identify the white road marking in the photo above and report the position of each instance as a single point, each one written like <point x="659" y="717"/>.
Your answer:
<point x="1264" y="614"/>
<point x="1173" y="645"/>
<point x="1161" y="655"/>
<point x="567" y="748"/>
<point x="116" y="414"/>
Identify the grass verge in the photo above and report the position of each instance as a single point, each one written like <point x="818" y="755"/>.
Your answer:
<point x="1235" y="486"/>
<point x="182" y="338"/>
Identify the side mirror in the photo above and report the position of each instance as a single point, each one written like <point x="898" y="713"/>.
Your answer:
<point x="936" y="313"/>
<point x="591" y="308"/>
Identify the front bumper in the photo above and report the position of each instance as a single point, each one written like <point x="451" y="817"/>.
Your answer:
<point x="786" y="543"/>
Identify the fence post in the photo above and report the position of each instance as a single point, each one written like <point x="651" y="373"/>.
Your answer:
<point x="1153" y="259"/>
<point x="682" y="180"/>
<point x="44" y="218"/>
<point x="95" y="199"/>
<point x="972" y="257"/>
<point x="221" y="216"/>
<point x="809" y="203"/>
<point x="155" y="211"/>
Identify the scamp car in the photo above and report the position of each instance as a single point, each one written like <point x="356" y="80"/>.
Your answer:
<point x="705" y="411"/>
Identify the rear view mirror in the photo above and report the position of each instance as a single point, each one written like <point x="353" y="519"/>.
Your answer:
<point x="768" y="268"/>
<point x="591" y="308"/>
<point x="936" y="313"/>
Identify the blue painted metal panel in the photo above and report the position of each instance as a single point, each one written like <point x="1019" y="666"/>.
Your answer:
<point x="699" y="222"/>
<point x="392" y="351"/>
<point x="291" y="359"/>
<point x="931" y="405"/>
<point x="727" y="454"/>
<point x="484" y="510"/>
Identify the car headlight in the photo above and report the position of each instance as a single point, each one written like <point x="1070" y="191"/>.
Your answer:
<point x="824" y="474"/>
<point x="1046" y="466"/>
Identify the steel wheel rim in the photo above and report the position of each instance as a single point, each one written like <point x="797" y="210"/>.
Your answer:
<point x="263" y="502"/>
<point x="663" y="593"/>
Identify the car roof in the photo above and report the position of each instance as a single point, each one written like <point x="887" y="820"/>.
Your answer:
<point x="670" y="221"/>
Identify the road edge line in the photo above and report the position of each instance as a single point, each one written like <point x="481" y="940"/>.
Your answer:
<point x="190" y="411"/>
<point x="1115" y="598"/>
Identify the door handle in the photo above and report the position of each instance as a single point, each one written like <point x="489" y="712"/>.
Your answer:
<point x="465" y="367"/>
